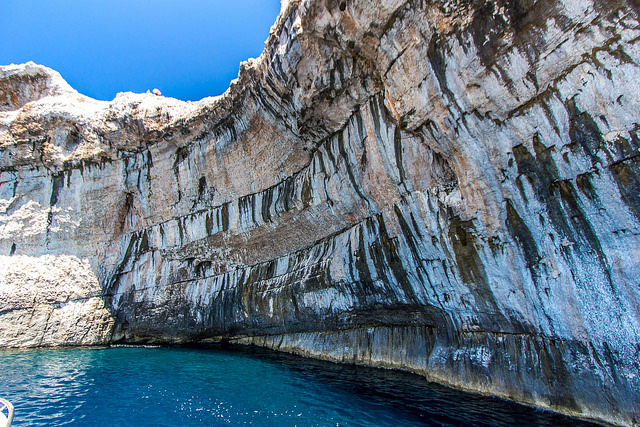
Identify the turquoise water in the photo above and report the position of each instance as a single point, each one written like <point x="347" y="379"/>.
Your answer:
<point x="136" y="386"/>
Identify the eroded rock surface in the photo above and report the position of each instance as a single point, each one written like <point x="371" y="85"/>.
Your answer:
<point x="447" y="187"/>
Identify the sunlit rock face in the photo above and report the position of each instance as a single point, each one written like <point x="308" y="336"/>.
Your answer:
<point x="446" y="187"/>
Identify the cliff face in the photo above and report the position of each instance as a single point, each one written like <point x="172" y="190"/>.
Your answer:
<point x="447" y="187"/>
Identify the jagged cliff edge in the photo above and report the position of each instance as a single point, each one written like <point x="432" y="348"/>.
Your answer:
<point x="446" y="187"/>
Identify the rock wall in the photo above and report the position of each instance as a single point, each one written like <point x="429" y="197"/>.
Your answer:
<point x="447" y="187"/>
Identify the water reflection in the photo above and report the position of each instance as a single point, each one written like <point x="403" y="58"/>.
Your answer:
<point x="233" y="386"/>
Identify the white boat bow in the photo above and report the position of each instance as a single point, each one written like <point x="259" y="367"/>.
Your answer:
<point x="6" y="420"/>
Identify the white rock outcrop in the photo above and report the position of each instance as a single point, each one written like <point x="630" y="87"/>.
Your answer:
<point x="448" y="187"/>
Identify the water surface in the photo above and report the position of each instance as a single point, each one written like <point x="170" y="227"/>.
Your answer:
<point x="137" y="386"/>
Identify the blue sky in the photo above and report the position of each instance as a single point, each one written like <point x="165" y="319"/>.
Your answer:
<point x="188" y="49"/>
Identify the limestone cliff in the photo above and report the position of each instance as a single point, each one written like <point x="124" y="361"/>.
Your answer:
<point x="450" y="187"/>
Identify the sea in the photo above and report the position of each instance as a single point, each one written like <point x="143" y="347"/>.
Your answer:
<point x="234" y="386"/>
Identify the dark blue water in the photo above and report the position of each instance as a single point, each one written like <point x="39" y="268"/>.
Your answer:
<point x="135" y="386"/>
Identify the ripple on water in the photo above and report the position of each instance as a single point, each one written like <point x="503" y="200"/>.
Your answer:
<point x="233" y="386"/>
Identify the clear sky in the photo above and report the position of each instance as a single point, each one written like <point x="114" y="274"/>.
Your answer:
<point x="188" y="49"/>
